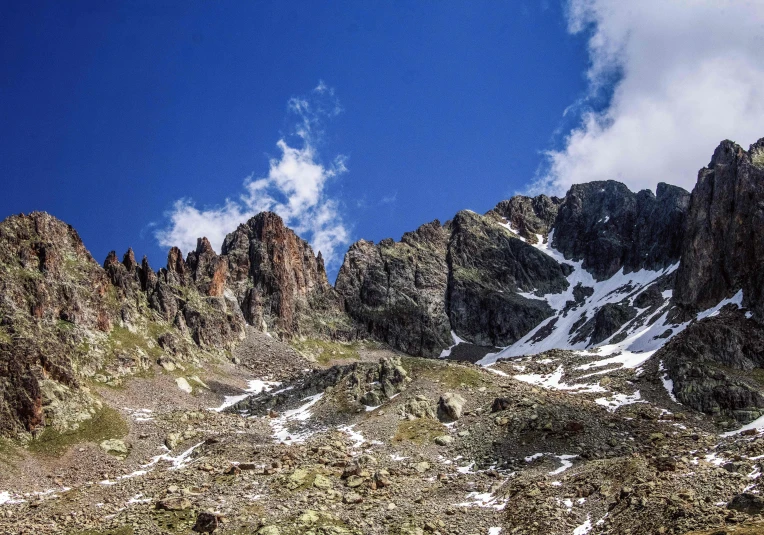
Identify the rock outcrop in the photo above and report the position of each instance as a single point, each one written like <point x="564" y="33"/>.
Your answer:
<point x="64" y="319"/>
<point x="465" y="276"/>
<point x="280" y="284"/>
<point x="723" y="248"/>
<point x="396" y="291"/>
<point x="611" y="228"/>
<point x="715" y="365"/>
<point x="529" y="216"/>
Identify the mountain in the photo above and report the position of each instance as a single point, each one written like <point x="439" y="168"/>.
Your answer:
<point x="612" y="336"/>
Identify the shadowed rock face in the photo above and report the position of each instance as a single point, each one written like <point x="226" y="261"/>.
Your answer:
<point x="488" y="265"/>
<point x="280" y="283"/>
<point x="462" y="276"/>
<point x="609" y="227"/>
<point x="396" y="291"/>
<point x="723" y="246"/>
<point x="712" y="365"/>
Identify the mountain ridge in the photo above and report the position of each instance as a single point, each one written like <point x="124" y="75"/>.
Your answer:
<point x="513" y="277"/>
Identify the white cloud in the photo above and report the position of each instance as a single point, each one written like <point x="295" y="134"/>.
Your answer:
<point x="294" y="188"/>
<point x="688" y="75"/>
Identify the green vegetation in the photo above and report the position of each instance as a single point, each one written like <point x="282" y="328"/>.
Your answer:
<point x="419" y="431"/>
<point x="447" y="373"/>
<point x="8" y="452"/>
<point x="107" y="423"/>
<point x="123" y="338"/>
<point x="5" y="337"/>
<point x="757" y="158"/>
<point x="324" y="351"/>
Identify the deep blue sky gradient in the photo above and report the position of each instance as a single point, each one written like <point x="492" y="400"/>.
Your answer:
<point x="109" y="111"/>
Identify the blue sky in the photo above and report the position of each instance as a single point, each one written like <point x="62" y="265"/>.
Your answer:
<point x="112" y="114"/>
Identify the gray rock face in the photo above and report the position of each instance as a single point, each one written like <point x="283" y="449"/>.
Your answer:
<point x="747" y="503"/>
<point x="365" y="383"/>
<point x="450" y="407"/>
<point x="488" y="266"/>
<point x="463" y="276"/>
<point x="396" y="292"/>
<point x="712" y="362"/>
<point x="529" y="216"/>
<point x="605" y="323"/>
<point x="609" y="227"/>
<point x="723" y="246"/>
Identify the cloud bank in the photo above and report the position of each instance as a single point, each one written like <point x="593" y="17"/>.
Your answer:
<point x="688" y="74"/>
<point x="294" y="188"/>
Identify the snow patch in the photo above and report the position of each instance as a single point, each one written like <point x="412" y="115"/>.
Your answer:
<point x="280" y="425"/>
<point x="254" y="387"/>
<point x="612" y="402"/>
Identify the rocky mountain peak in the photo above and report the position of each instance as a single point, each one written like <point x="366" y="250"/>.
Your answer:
<point x="276" y="277"/>
<point x="609" y="228"/>
<point x="722" y="247"/>
<point x="529" y="216"/>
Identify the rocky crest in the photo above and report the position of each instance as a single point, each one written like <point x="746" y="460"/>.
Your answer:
<point x="280" y="284"/>
<point x="723" y="248"/>
<point x="610" y="228"/>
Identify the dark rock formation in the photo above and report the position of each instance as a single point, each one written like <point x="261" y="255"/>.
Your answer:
<point x="609" y="227"/>
<point x="747" y="503"/>
<point x="462" y="276"/>
<point x="280" y="284"/>
<point x="488" y="265"/>
<point x="529" y="216"/>
<point x="605" y="323"/>
<point x="360" y="383"/>
<point x="716" y="363"/>
<point x="723" y="247"/>
<point x="397" y="291"/>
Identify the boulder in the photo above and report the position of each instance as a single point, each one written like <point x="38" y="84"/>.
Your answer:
<point x="450" y="407"/>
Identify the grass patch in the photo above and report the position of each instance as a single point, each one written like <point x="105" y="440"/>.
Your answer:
<point x="324" y="351"/>
<point x="107" y="423"/>
<point x="123" y="338"/>
<point x="174" y="521"/>
<point x="448" y="374"/>
<point x="419" y="431"/>
<point x="9" y="453"/>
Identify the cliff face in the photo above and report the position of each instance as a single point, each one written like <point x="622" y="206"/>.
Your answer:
<point x="712" y="361"/>
<point x="723" y="246"/>
<point x="280" y="284"/>
<point x="65" y="319"/>
<point x="610" y="228"/>
<point x="396" y="291"/>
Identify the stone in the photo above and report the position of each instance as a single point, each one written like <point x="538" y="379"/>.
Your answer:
<point x="450" y="407"/>
<point x="115" y="447"/>
<point x="443" y="440"/>
<point x="207" y="522"/>
<point x="172" y="440"/>
<point x="352" y="498"/>
<point x="422" y="467"/>
<point x="748" y="503"/>
<point x="184" y="385"/>
<point x="174" y="504"/>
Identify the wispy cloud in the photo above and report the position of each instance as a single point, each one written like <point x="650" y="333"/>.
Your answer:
<point x="294" y="188"/>
<point x="683" y="75"/>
